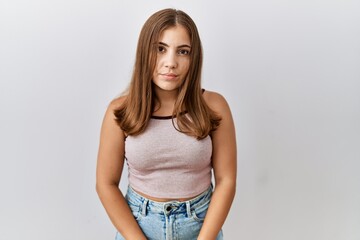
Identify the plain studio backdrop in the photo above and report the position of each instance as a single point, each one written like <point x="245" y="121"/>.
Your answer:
<point x="290" y="71"/>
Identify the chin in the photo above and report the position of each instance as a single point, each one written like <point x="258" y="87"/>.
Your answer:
<point x="168" y="88"/>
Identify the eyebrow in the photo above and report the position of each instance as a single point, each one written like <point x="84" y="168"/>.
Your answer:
<point x="180" y="46"/>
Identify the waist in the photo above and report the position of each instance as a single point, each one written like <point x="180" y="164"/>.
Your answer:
<point x="158" y="206"/>
<point x="161" y="200"/>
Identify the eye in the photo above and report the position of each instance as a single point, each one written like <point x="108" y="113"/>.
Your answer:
<point x="183" y="52"/>
<point x="161" y="49"/>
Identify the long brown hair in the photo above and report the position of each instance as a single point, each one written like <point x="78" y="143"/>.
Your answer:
<point x="134" y="114"/>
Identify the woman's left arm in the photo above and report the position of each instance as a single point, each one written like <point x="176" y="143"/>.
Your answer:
<point x="224" y="165"/>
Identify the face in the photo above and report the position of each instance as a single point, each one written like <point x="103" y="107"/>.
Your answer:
<point x="173" y="59"/>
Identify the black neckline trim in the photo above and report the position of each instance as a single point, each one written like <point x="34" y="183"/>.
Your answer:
<point x="167" y="117"/>
<point x="170" y="117"/>
<point x="162" y="117"/>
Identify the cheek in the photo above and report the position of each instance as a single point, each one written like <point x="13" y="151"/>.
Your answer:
<point x="158" y="62"/>
<point x="157" y="67"/>
<point x="187" y="66"/>
<point x="184" y="63"/>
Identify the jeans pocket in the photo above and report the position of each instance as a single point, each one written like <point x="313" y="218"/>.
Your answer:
<point x="135" y="209"/>
<point x="199" y="214"/>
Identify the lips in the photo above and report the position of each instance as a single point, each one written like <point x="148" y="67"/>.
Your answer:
<point x="169" y="76"/>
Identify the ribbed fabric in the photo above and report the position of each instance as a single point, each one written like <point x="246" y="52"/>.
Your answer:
<point x="165" y="163"/>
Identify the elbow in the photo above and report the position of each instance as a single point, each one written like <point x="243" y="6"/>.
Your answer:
<point x="227" y="182"/>
<point x="101" y="187"/>
<point x="232" y="187"/>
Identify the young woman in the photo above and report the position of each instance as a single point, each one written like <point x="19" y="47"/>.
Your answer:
<point x="172" y="134"/>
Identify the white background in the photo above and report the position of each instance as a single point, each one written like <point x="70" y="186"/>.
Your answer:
<point x="290" y="71"/>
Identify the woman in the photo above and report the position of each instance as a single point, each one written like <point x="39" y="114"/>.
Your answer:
<point x="171" y="134"/>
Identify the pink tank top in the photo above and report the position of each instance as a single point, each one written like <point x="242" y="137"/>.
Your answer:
<point x="165" y="163"/>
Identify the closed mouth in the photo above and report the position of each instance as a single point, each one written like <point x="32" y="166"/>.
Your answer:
<point x="169" y="74"/>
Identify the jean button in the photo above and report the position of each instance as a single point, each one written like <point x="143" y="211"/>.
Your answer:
<point x="168" y="208"/>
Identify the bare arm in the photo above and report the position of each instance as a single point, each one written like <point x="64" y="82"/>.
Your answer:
<point x="108" y="173"/>
<point x="224" y="164"/>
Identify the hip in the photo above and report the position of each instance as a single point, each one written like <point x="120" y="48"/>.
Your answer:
<point x="169" y="220"/>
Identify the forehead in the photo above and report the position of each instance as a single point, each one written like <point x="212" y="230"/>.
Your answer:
<point x="176" y="35"/>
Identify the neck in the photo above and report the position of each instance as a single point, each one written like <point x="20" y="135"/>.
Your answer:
<point x="165" y="101"/>
<point x="165" y="96"/>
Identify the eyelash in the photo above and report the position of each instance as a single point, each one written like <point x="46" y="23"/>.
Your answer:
<point x="161" y="49"/>
<point x="184" y="52"/>
<point x="180" y="51"/>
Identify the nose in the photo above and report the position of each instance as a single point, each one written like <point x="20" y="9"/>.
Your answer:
<point x="171" y="61"/>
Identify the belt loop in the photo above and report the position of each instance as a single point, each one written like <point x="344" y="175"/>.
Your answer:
<point x="188" y="211"/>
<point x="143" y="212"/>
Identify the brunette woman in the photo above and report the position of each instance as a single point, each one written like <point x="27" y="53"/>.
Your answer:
<point x="171" y="133"/>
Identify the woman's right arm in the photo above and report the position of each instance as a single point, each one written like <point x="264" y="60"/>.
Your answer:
<point x="110" y="164"/>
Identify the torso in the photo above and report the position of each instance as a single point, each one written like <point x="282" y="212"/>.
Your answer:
<point x="165" y="164"/>
<point x="164" y="113"/>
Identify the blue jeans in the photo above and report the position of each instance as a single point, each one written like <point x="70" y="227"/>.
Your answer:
<point x="169" y="220"/>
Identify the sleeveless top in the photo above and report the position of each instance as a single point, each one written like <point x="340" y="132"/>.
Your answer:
<point x="165" y="163"/>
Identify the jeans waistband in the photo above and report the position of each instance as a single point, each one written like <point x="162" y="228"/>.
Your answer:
<point x="171" y="206"/>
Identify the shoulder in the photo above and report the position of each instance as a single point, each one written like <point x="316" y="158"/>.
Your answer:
<point x="215" y="101"/>
<point x="110" y="128"/>
<point x="117" y="103"/>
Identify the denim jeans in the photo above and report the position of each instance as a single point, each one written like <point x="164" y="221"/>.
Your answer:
<point x="169" y="220"/>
